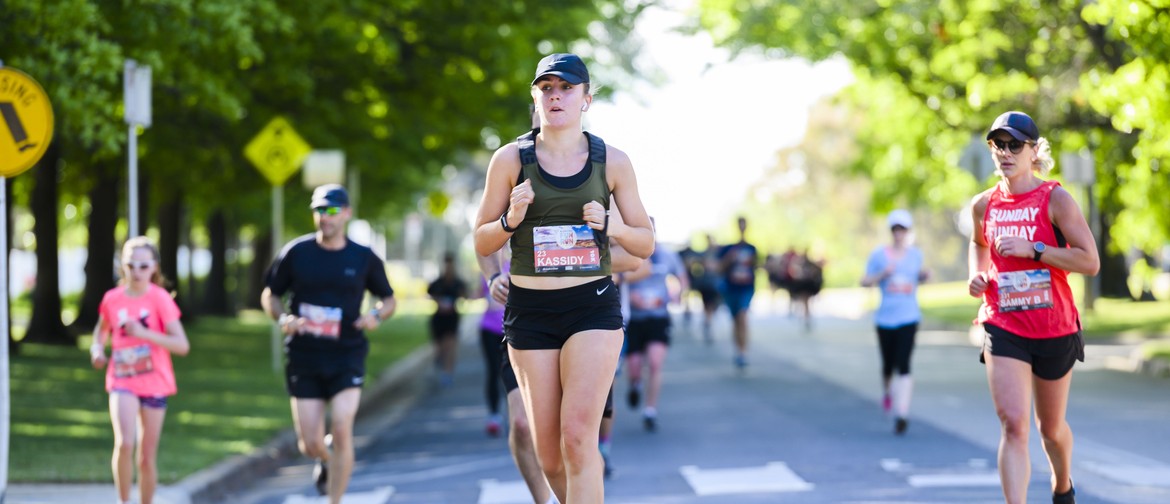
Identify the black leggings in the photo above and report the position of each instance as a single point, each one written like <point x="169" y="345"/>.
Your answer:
<point x="896" y="343"/>
<point x="493" y="353"/>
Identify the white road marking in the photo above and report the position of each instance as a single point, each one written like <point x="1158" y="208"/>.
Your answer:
<point x="974" y="473"/>
<point x="507" y="492"/>
<point x="379" y="496"/>
<point x="1154" y="476"/>
<point x="772" y="478"/>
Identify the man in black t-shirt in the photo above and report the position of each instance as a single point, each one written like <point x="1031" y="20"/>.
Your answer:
<point x="446" y="290"/>
<point x="326" y="276"/>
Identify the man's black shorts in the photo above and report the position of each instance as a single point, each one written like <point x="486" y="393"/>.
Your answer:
<point x="444" y="326"/>
<point x="545" y="319"/>
<point x="1051" y="358"/>
<point x="644" y="331"/>
<point x="323" y="375"/>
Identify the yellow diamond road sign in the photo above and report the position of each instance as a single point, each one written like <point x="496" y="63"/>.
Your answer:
<point x="277" y="151"/>
<point x="26" y="122"/>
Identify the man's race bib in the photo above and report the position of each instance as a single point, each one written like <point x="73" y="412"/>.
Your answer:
<point x="1025" y="290"/>
<point x="132" y="361"/>
<point x="321" y="321"/>
<point x="558" y="249"/>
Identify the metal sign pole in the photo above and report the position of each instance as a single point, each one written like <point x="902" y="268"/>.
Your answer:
<point x="5" y="404"/>
<point x="132" y="211"/>
<point x="277" y="225"/>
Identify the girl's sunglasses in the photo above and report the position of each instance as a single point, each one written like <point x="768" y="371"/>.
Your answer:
<point x="328" y="210"/>
<point x="1015" y="146"/>
<point x="139" y="265"/>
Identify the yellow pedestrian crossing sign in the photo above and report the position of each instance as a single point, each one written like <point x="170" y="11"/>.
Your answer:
<point x="26" y="122"/>
<point x="277" y="151"/>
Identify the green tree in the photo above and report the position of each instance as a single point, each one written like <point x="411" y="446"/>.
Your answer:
<point x="932" y="75"/>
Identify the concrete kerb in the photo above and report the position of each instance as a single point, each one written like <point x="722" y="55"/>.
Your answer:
<point x="215" y="483"/>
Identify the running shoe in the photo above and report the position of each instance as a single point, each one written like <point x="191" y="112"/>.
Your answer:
<point x="650" y="423"/>
<point x="493" y="427"/>
<point x="321" y="477"/>
<point x="1069" y="497"/>
<point x="634" y="397"/>
<point x="607" y="468"/>
<point x="740" y="362"/>
<point x="900" y="426"/>
<point x="886" y="404"/>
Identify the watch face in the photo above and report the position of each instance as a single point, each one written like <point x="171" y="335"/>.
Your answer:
<point x="1038" y="247"/>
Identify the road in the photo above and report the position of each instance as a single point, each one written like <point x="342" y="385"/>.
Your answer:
<point x="802" y="425"/>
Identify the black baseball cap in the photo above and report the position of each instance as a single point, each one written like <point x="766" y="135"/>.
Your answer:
<point x="329" y="195"/>
<point x="564" y="65"/>
<point x="1017" y="124"/>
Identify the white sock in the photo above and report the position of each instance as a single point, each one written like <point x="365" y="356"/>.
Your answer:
<point x="901" y="387"/>
<point x="650" y="411"/>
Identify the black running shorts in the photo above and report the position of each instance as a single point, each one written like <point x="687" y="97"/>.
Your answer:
<point x="1051" y="358"/>
<point x="644" y="331"/>
<point x="323" y="376"/>
<point x="545" y="319"/>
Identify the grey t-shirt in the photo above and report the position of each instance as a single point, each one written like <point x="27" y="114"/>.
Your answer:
<point x="649" y="296"/>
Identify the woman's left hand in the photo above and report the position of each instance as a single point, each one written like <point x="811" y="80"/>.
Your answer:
<point x="594" y="215"/>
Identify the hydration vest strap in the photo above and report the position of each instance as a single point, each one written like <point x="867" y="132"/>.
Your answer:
<point x="527" y="145"/>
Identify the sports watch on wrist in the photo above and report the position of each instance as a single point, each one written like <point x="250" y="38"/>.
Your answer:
<point x="1037" y="249"/>
<point x="504" y="223"/>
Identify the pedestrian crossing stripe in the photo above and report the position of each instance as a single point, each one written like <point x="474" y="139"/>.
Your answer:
<point x="378" y="496"/>
<point x="974" y="473"/>
<point x="775" y="477"/>
<point x="507" y="492"/>
<point x="1138" y="475"/>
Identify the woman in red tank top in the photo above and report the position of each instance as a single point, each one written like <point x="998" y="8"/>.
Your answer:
<point x="1029" y="235"/>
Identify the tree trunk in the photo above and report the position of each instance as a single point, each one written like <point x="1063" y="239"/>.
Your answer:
<point x="1114" y="272"/>
<point x="170" y="217"/>
<point x="100" y="274"/>
<point x="143" y="202"/>
<point x="45" y="325"/>
<point x="215" y="295"/>
<point x="261" y="259"/>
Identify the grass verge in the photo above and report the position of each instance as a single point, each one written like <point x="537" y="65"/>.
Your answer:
<point x="229" y="402"/>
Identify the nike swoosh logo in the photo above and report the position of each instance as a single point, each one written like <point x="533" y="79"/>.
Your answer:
<point x="603" y="289"/>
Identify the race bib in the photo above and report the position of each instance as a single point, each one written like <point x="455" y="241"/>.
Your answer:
<point x="1025" y="290"/>
<point x="321" y="321"/>
<point x="642" y="300"/>
<point x="132" y="361"/>
<point x="900" y="284"/>
<point x="558" y="249"/>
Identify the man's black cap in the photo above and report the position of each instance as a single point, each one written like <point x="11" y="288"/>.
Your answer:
<point x="329" y="195"/>
<point x="1017" y="124"/>
<point x="563" y="65"/>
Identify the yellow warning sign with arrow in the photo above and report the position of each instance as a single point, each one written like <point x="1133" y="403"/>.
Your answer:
<point x="277" y="151"/>
<point x="26" y="122"/>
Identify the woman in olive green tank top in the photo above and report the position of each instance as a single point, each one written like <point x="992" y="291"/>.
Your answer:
<point x="562" y="320"/>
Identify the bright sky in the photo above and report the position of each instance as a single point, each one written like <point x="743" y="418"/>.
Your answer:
<point x="699" y="141"/>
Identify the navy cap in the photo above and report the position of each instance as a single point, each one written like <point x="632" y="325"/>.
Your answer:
<point x="1017" y="124"/>
<point x="563" y="65"/>
<point x="329" y="195"/>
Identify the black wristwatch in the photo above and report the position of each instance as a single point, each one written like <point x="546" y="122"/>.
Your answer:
<point x="1037" y="249"/>
<point x="504" y="223"/>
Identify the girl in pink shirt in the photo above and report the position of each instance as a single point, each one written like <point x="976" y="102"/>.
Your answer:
<point x="141" y="321"/>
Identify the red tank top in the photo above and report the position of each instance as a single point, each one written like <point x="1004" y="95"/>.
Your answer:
<point x="1025" y="297"/>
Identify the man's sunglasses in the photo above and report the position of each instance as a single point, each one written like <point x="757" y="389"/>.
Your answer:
<point x="139" y="265"/>
<point x="1015" y="146"/>
<point x="328" y="210"/>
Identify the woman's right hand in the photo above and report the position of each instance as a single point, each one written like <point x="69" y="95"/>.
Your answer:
<point x="522" y="196"/>
<point x="977" y="284"/>
<point x="97" y="357"/>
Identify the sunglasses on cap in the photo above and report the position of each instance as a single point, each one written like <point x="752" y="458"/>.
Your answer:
<point x="328" y="210"/>
<point x="139" y="265"/>
<point x="1013" y="145"/>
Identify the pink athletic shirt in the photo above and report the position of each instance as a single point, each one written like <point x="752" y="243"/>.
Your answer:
<point x="136" y="365"/>
<point x="1025" y="297"/>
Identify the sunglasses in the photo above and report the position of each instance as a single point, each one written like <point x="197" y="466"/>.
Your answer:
<point x="139" y="265"/>
<point x="328" y="210"/>
<point x="1013" y="145"/>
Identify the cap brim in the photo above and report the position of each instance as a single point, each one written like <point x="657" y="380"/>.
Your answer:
<point x="322" y="203"/>
<point x="568" y="77"/>
<point x="1015" y="133"/>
